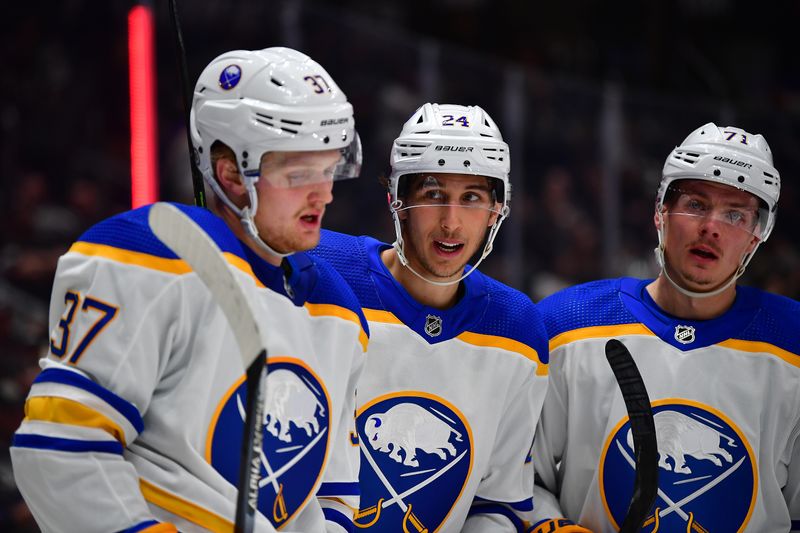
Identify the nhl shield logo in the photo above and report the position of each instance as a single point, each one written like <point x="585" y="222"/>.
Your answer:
<point x="433" y="325"/>
<point x="296" y="427"/>
<point x="684" y="334"/>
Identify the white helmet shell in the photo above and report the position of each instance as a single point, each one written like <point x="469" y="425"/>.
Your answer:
<point x="451" y="139"/>
<point x="730" y="156"/>
<point x="276" y="99"/>
<point x="260" y="101"/>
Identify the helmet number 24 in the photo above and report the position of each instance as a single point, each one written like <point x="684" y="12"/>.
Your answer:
<point x="447" y="120"/>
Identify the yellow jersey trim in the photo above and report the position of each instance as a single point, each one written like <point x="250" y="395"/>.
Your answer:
<point x="597" y="332"/>
<point x="153" y="262"/>
<point x="339" y="312"/>
<point x="183" y="508"/>
<point x="70" y="412"/>
<point x="494" y="341"/>
<point x="385" y="317"/>
<point x="761" y="347"/>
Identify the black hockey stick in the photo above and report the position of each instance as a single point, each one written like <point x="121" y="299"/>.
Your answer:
<point x="186" y="94"/>
<point x="643" y="429"/>
<point x="193" y="245"/>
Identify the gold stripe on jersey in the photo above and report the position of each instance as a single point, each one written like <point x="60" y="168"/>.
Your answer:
<point x="761" y="347"/>
<point x="153" y="262"/>
<point x="598" y="332"/>
<point x="340" y="312"/>
<point x="384" y="317"/>
<point x="494" y="341"/>
<point x="183" y="508"/>
<point x="70" y="412"/>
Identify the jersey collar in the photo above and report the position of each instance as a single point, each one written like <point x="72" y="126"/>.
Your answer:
<point x="433" y="325"/>
<point x="688" y="334"/>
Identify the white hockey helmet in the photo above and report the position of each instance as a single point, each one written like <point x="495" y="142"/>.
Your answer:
<point x="451" y="139"/>
<point x="729" y="156"/>
<point x="276" y="99"/>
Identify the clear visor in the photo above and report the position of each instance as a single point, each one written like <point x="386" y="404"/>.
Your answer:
<point x="469" y="192"/>
<point x="748" y="217"/>
<point x="300" y="169"/>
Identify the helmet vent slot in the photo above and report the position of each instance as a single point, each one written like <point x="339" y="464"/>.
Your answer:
<point x="265" y="119"/>
<point x="495" y="154"/>
<point x="689" y="157"/>
<point x="276" y="82"/>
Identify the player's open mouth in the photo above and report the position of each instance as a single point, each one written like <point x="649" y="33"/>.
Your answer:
<point x="704" y="253"/>
<point x="310" y="219"/>
<point x="448" y="247"/>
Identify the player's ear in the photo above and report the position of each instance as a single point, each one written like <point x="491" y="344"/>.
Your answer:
<point x="494" y="214"/>
<point x="228" y="176"/>
<point x="657" y="219"/>
<point x="753" y="243"/>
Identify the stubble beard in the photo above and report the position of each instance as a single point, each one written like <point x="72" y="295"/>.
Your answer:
<point x="429" y="267"/>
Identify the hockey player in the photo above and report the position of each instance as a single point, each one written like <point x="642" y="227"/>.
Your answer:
<point x="721" y="362"/>
<point x="457" y="365"/>
<point x="135" y="422"/>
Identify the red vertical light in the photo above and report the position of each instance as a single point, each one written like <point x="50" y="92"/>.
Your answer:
<point x="144" y="151"/>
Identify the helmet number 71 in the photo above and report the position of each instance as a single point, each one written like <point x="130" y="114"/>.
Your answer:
<point x="732" y="134"/>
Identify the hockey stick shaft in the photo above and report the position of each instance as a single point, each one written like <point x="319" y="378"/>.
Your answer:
<point x="189" y="242"/>
<point x="252" y="442"/>
<point x="186" y="95"/>
<point x="643" y="430"/>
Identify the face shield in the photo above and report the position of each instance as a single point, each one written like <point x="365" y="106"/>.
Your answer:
<point x="288" y="170"/>
<point x="742" y="217"/>
<point x="426" y="190"/>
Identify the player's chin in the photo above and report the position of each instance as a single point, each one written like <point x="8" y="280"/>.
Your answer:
<point x="307" y="241"/>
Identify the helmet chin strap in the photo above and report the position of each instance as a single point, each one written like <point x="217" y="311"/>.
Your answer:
<point x="487" y="248"/>
<point x="662" y="263"/>
<point x="246" y="215"/>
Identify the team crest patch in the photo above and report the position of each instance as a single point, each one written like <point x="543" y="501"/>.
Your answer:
<point x="433" y="325"/>
<point x="684" y="334"/>
<point x="230" y="77"/>
<point x="296" y="430"/>
<point x="707" y="477"/>
<point x="416" y="456"/>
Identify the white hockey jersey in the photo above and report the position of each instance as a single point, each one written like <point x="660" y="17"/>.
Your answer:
<point x="726" y="402"/>
<point x="135" y="421"/>
<point x="448" y="401"/>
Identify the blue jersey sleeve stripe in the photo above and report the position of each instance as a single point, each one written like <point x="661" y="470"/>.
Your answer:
<point x="65" y="445"/>
<point x="140" y="527"/>
<point x="795" y="525"/>
<point x="496" y="508"/>
<point x="66" y="377"/>
<point x="522" y="506"/>
<point x="332" y="515"/>
<point x="338" y="489"/>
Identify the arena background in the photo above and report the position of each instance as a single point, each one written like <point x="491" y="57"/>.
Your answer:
<point x="590" y="95"/>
